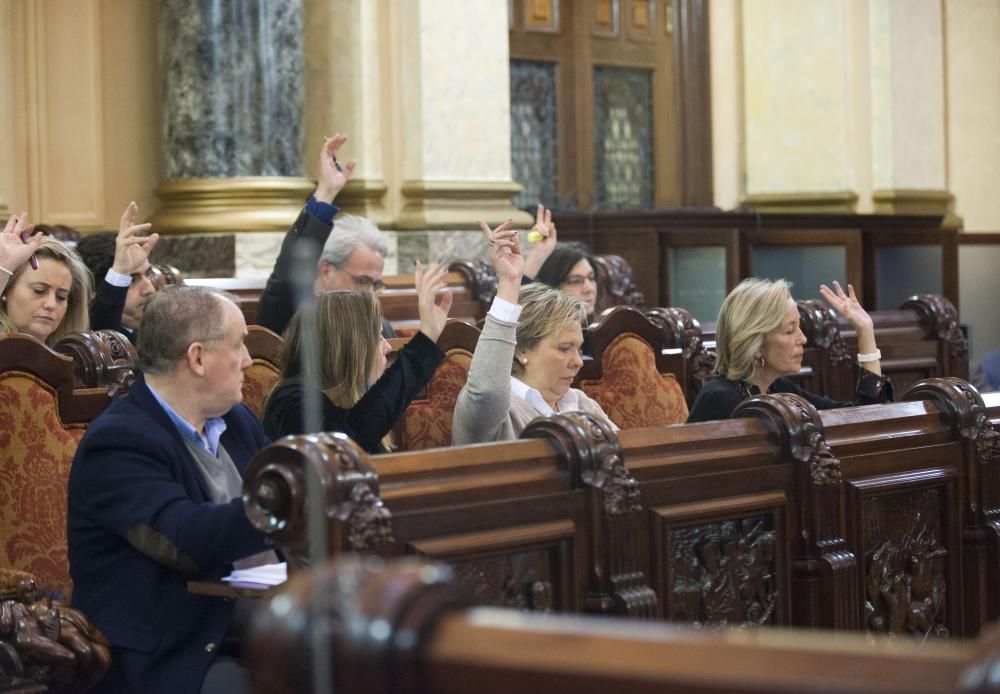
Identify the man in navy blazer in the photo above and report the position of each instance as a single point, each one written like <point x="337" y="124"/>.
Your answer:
<point x="154" y="498"/>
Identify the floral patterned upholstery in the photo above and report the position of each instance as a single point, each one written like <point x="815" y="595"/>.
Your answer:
<point x="37" y="449"/>
<point x="631" y="390"/>
<point x="258" y="382"/>
<point x="427" y="422"/>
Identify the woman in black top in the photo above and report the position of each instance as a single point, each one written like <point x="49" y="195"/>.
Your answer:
<point x="353" y="390"/>
<point x="758" y="341"/>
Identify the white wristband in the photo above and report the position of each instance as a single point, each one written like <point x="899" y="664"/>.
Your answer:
<point x="867" y="358"/>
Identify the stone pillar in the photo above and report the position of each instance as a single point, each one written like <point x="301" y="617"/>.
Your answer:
<point x="233" y="93"/>
<point x="908" y="107"/>
<point x="797" y="101"/>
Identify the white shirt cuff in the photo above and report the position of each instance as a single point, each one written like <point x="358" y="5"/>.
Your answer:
<point x="117" y="279"/>
<point x="502" y="309"/>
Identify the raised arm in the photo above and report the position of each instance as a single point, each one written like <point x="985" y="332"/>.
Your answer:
<point x="850" y="308"/>
<point x="303" y="244"/>
<point x="543" y="242"/>
<point x="132" y="249"/>
<point x="17" y="244"/>
<point x="484" y="403"/>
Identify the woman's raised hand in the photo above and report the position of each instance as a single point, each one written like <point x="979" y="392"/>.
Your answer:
<point x="848" y="306"/>
<point x="505" y="252"/>
<point x="131" y="247"/>
<point x="433" y="309"/>
<point x="543" y="242"/>
<point x="17" y="243"/>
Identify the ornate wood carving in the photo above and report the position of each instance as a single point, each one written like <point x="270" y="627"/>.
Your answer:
<point x="684" y="332"/>
<point x="164" y="275"/>
<point x="905" y="585"/>
<point x="275" y="490"/>
<point x="48" y="642"/>
<point x="939" y="317"/>
<point x="822" y="550"/>
<point x="364" y="622"/>
<point x="101" y="359"/>
<point x="519" y="581"/>
<point x="616" y="283"/>
<point x="480" y="279"/>
<point x="819" y="323"/>
<point x="724" y="573"/>
<point x="595" y="460"/>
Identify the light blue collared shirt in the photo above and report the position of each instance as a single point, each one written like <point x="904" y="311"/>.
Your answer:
<point x="214" y="427"/>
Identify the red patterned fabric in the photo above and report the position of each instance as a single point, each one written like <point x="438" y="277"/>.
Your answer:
<point x="37" y="450"/>
<point x="631" y="391"/>
<point x="258" y="382"/>
<point x="427" y="423"/>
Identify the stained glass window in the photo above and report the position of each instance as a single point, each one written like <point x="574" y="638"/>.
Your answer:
<point x="623" y="138"/>
<point x="533" y="132"/>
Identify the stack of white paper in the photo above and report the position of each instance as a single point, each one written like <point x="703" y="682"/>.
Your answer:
<point x="264" y="576"/>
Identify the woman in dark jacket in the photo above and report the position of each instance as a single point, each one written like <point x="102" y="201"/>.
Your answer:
<point x="759" y="342"/>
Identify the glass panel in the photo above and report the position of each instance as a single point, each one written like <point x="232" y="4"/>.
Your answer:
<point x="978" y="289"/>
<point x="902" y="271"/>
<point x="806" y="267"/>
<point x="623" y="138"/>
<point x="533" y="132"/>
<point x="698" y="280"/>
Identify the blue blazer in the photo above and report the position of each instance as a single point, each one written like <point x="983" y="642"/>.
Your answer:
<point x="141" y="524"/>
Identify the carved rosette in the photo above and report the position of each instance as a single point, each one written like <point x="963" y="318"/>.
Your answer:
<point x="480" y="279"/>
<point x="276" y="494"/>
<point x="364" y="619"/>
<point x="101" y="359"/>
<point x="798" y="424"/>
<point x="617" y="285"/>
<point x="819" y="323"/>
<point x="594" y="456"/>
<point x="939" y="317"/>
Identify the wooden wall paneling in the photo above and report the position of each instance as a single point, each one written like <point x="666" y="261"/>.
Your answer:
<point x="905" y="530"/>
<point x="723" y="561"/>
<point x="605" y="20"/>
<point x="693" y="102"/>
<point x="583" y="105"/>
<point x="65" y="107"/>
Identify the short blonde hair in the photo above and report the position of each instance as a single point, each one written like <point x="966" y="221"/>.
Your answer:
<point x="544" y="311"/>
<point x="752" y="310"/>
<point x="77" y="317"/>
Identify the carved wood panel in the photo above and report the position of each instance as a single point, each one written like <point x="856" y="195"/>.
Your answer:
<point x="905" y="527"/>
<point x="528" y="568"/>
<point x="724" y="562"/>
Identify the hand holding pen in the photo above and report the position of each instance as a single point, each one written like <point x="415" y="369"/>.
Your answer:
<point x="18" y="245"/>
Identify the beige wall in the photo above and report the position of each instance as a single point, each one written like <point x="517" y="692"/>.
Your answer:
<point x="80" y="80"/>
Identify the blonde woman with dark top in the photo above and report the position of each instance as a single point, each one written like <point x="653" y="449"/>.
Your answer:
<point x="357" y="394"/>
<point x="759" y="343"/>
<point x="527" y="356"/>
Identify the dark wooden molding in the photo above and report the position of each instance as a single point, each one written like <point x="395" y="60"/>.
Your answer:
<point x="694" y="101"/>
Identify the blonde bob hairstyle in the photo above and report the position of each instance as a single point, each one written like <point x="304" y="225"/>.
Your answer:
<point x="348" y="329"/>
<point x="752" y="310"/>
<point x="544" y="311"/>
<point x="77" y="315"/>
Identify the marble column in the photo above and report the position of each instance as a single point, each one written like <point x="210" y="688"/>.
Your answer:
<point x="232" y="77"/>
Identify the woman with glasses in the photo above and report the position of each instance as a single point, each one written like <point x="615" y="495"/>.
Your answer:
<point x="565" y="266"/>
<point x="349" y="385"/>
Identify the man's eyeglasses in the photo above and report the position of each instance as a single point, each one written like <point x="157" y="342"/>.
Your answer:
<point x="578" y="280"/>
<point x="365" y="283"/>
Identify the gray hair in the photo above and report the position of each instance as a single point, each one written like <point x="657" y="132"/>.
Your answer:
<point x="350" y="232"/>
<point x="176" y="317"/>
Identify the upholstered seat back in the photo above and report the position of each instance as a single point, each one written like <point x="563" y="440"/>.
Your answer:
<point x="427" y="421"/>
<point x="265" y="371"/>
<point x="44" y="419"/>
<point x="631" y="390"/>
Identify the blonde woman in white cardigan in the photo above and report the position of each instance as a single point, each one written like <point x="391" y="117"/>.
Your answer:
<point x="527" y="355"/>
